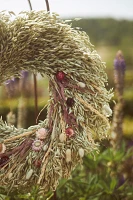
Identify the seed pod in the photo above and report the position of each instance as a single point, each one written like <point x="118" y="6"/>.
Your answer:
<point x="45" y="147"/>
<point x="81" y="84"/>
<point x="68" y="155"/>
<point x="62" y="137"/>
<point x="107" y="111"/>
<point x="10" y="175"/>
<point x="81" y="152"/>
<point x="29" y="174"/>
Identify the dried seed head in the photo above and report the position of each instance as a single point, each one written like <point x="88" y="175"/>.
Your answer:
<point x="68" y="155"/>
<point x="81" y="84"/>
<point x="81" y="152"/>
<point x="62" y="137"/>
<point x="45" y="147"/>
<point x="29" y="174"/>
<point x="107" y="110"/>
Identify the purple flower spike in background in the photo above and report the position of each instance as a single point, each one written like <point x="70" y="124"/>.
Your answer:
<point x="119" y="62"/>
<point x="25" y="74"/>
<point x="11" y="86"/>
<point x="23" y="80"/>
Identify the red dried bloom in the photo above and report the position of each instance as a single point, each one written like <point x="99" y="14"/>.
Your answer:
<point x="70" y="132"/>
<point x="60" y="76"/>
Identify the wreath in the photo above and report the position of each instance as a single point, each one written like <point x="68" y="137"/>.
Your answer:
<point x="78" y="107"/>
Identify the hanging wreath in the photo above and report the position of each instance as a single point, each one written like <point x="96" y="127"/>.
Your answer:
<point x="79" y="102"/>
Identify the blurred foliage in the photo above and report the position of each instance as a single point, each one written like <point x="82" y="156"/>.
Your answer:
<point x="128" y="127"/>
<point x="108" y="32"/>
<point x="103" y="176"/>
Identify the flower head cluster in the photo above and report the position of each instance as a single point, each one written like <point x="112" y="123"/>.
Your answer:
<point x="42" y="133"/>
<point x="37" y="145"/>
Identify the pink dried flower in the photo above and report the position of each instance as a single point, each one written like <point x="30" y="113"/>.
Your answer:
<point x="69" y="132"/>
<point x="41" y="133"/>
<point x="37" y="145"/>
<point x="60" y="76"/>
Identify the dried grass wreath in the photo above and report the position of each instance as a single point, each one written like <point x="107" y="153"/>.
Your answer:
<point x="78" y="107"/>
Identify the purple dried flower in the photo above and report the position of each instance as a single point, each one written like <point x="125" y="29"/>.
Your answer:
<point x="119" y="62"/>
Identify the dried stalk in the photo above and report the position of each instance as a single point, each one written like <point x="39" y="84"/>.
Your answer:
<point x="19" y="136"/>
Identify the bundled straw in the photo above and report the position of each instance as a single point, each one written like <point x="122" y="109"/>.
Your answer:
<point x="78" y="106"/>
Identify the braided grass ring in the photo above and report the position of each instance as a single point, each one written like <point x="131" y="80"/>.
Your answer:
<point x="76" y="114"/>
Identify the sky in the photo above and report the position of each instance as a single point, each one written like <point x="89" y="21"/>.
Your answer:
<point x="119" y="9"/>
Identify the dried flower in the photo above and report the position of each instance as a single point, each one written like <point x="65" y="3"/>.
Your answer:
<point x="62" y="137"/>
<point x="2" y="148"/>
<point x="81" y="84"/>
<point x="45" y="147"/>
<point x="81" y="152"/>
<point x="60" y="76"/>
<point x="70" y="102"/>
<point x="29" y="174"/>
<point x="68" y="155"/>
<point x="70" y="132"/>
<point x="37" y="145"/>
<point x="107" y="110"/>
<point x="41" y="134"/>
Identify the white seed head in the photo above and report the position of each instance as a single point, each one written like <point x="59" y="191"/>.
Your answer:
<point x="10" y="175"/>
<point x="81" y="152"/>
<point x="107" y="110"/>
<point x="81" y="84"/>
<point x="45" y="147"/>
<point x="29" y="174"/>
<point x="68" y="155"/>
<point x="62" y="137"/>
